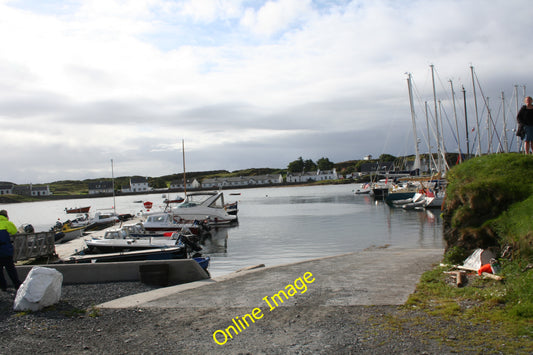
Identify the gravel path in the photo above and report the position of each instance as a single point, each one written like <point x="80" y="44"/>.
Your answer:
<point x="68" y="328"/>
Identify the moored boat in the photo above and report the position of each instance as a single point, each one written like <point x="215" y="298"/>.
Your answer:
<point x="64" y="232"/>
<point x="137" y="255"/>
<point x="205" y="206"/>
<point x="98" y="222"/>
<point x="97" y="245"/>
<point x="78" y="209"/>
<point x="168" y="221"/>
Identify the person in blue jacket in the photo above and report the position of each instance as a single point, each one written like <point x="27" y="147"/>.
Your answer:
<point x="6" y="252"/>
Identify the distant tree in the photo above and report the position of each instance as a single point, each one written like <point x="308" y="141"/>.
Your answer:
<point x="296" y="166"/>
<point x="309" y="165"/>
<point x="325" y="164"/>
<point x="386" y="157"/>
<point x="157" y="183"/>
<point x="349" y="170"/>
<point x="359" y="164"/>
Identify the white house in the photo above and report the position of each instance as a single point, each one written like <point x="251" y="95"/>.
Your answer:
<point x="30" y="190"/>
<point x="6" y="189"/>
<point x="139" y="184"/>
<point x="101" y="187"/>
<point x="40" y="190"/>
<point x="191" y="184"/>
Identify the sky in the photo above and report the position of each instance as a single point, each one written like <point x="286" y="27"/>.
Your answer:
<point x="250" y="83"/>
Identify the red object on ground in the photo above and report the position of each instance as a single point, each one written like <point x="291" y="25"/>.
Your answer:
<point x="485" y="268"/>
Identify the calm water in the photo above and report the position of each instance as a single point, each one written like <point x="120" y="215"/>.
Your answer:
<point x="278" y="225"/>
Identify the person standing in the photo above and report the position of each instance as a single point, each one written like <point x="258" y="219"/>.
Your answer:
<point x="525" y="124"/>
<point x="7" y="228"/>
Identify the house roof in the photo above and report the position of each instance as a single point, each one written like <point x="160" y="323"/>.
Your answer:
<point x="138" y="180"/>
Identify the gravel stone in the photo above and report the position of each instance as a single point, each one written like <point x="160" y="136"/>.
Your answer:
<point x="74" y="326"/>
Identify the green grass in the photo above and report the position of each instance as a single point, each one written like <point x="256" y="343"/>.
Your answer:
<point x="503" y="310"/>
<point x="489" y="203"/>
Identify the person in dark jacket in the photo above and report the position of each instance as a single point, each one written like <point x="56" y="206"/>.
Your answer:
<point x="525" y="124"/>
<point x="6" y="252"/>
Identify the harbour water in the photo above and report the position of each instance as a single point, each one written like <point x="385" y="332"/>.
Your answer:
<point x="277" y="225"/>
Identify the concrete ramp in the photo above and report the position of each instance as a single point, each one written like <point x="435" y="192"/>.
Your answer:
<point x="380" y="276"/>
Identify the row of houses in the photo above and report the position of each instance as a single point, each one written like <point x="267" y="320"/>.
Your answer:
<point x="25" y="190"/>
<point x="140" y="184"/>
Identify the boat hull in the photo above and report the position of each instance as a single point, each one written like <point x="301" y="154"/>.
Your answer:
<point x="124" y="245"/>
<point x="78" y="209"/>
<point x="138" y="255"/>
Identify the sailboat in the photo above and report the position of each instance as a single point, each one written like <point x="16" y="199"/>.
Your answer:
<point x="424" y="191"/>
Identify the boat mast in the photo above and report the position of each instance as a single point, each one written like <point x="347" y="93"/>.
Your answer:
<point x="439" y="158"/>
<point x="430" y="155"/>
<point x="466" y="125"/>
<point x="517" y="109"/>
<point x="505" y="142"/>
<point x="489" y="134"/>
<point x="478" y="152"/>
<point x="184" y="177"/>
<point x="413" y="118"/>
<point x="113" y="187"/>
<point x="456" y="125"/>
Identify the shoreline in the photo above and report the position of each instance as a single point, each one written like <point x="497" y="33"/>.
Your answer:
<point x="7" y="199"/>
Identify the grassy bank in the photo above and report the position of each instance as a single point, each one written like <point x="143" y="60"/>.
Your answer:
<point x="489" y="204"/>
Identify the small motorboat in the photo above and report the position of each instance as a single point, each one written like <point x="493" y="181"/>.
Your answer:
<point x="78" y="209"/>
<point x="205" y="206"/>
<point x="189" y="243"/>
<point x="98" y="222"/>
<point x="167" y="221"/>
<point x="178" y="199"/>
<point x="64" y="232"/>
<point x="97" y="245"/>
<point x="137" y="255"/>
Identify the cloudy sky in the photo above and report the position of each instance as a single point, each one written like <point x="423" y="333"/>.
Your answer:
<point x="245" y="83"/>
